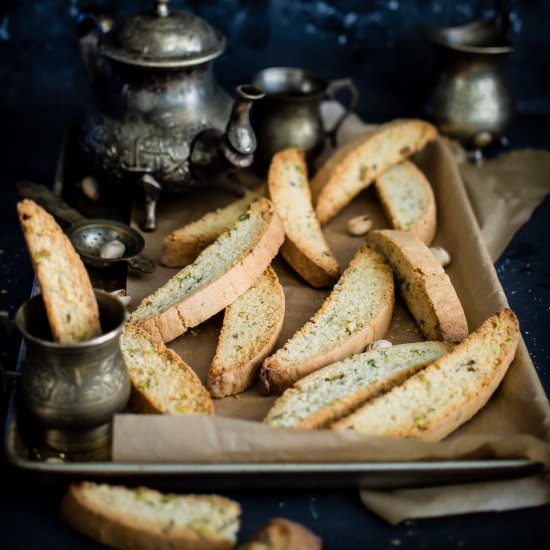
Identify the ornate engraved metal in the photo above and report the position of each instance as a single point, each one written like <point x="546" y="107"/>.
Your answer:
<point x="157" y="101"/>
<point x="73" y="389"/>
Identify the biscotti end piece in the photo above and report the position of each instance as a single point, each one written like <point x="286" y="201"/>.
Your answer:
<point x="357" y="165"/>
<point x="162" y="383"/>
<point x="356" y="312"/>
<point x="143" y="519"/>
<point x="305" y="247"/>
<point x="337" y="390"/>
<point x="68" y="294"/>
<point x="408" y="200"/>
<point x="423" y="284"/>
<point x="251" y="326"/>
<point x="446" y="394"/>
<point x="182" y="246"/>
<point x="283" y="534"/>
<point x="221" y="273"/>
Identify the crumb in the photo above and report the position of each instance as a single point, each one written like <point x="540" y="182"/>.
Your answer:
<point x="237" y="397"/>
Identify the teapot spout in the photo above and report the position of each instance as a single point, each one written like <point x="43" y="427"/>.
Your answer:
<point x="213" y="153"/>
<point x="240" y="141"/>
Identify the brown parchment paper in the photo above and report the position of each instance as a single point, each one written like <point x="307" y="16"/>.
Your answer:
<point x="514" y="424"/>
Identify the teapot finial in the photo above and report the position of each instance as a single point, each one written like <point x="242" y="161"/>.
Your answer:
<point x="162" y="8"/>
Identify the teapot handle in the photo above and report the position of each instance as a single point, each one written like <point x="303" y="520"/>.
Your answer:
<point x="91" y="24"/>
<point x="335" y="86"/>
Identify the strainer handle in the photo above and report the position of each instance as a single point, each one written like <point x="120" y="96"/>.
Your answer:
<point x="49" y="200"/>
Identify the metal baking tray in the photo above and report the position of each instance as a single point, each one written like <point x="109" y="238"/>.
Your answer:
<point x="23" y="449"/>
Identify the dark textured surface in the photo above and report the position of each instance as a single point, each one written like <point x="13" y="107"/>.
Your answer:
<point x="374" y="41"/>
<point x="44" y="91"/>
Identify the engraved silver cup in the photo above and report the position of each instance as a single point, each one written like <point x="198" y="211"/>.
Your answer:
<point x="73" y="390"/>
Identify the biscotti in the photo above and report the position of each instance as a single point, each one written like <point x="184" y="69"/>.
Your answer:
<point x="221" y="273"/>
<point x="356" y="312"/>
<point x="144" y="519"/>
<point x="423" y="284"/>
<point x="436" y="401"/>
<point x="408" y="200"/>
<point x="162" y="382"/>
<point x="66" y="289"/>
<point x="251" y="326"/>
<point x="338" y="389"/>
<point x="182" y="246"/>
<point x="305" y="247"/>
<point x="283" y="534"/>
<point x="358" y="163"/>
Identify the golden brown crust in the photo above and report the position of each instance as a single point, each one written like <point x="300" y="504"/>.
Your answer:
<point x="242" y="375"/>
<point x="425" y="287"/>
<point x="276" y="376"/>
<point x="143" y="401"/>
<point x="113" y="528"/>
<point x="344" y="406"/>
<point x="425" y="227"/>
<point x="283" y="534"/>
<point x="357" y="164"/>
<point x="68" y="295"/>
<point x="232" y="282"/>
<point x="440" y="416"/>
<point x="182" y="246"/>
<point x="309" y="254"/>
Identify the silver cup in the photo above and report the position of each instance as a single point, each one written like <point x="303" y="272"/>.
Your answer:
<point x="290" y="113"/>
<point x="73" y="390"/>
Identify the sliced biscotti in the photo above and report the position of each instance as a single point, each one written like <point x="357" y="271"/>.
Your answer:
<point x="338" y="389"/>
<point x="162" y="382"/>
<point x="144" y="519"/>
<point x="68" y="295"/>
<point x="447" y="393"/>
<point x="423" y="284"/>
<point x="221" y="273"/>
<point x="305" y="247"/>
<point x="357" y="165"/>
<point x="251" y="326"/>
<point x="283" y="534"/>
<point x="182" y="246"/>
<point x="408" y="200"/>
<point x="356" y="312"/>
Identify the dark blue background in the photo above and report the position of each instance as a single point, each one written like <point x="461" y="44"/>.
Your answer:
<point x="374" y="41"/>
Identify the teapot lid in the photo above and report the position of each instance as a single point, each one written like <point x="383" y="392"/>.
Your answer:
<point x="162" y="38"/>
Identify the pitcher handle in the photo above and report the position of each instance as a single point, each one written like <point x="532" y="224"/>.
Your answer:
<point x="335" y="86"/>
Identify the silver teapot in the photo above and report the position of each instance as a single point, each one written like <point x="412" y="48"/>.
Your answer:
<point x="161" y="121"/>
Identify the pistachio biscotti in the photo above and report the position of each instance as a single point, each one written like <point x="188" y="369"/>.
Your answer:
<point x="356" y="312"/>
<point x="66" y="289"/>
<point x="436" y="401"/>
<point x="221" y="273"/>
<point x="162" y="383"/>
<point x="251" y="326"/>
<point x="423" y="284"/>
<point x="356" y="165"/>
<point x="337" y="390"/>
<point x="283" y="534"/>
<point x="143" y="519"/>
<point x="182" y="246"/>
<point x="408" y="200"/>
<point x="305" y="247"/>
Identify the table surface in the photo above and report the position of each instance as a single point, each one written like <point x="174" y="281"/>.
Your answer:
<point x="29" y="507"/>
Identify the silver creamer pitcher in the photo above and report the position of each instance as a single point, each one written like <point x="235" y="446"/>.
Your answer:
<point x="468" y="98"/>
<point x="73" y="390"/>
